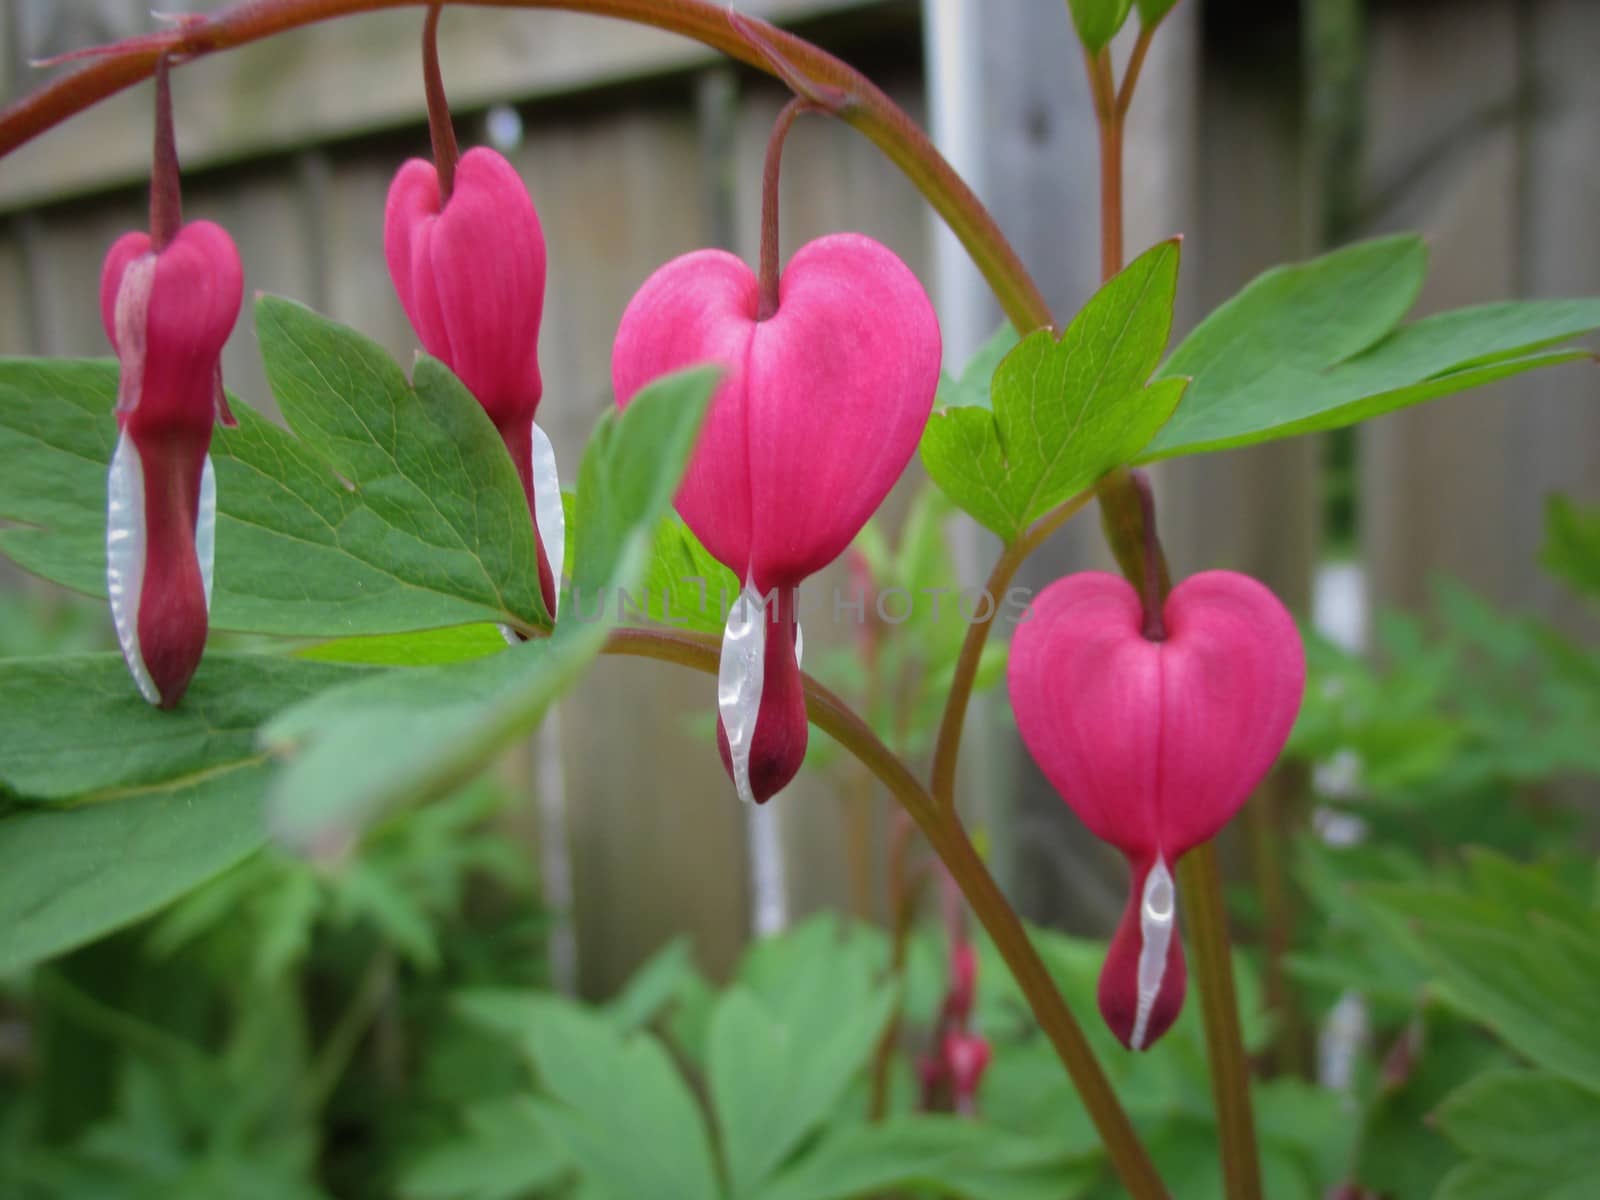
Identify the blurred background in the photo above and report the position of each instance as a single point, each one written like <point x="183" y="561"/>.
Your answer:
<point x="1261" y="132"/>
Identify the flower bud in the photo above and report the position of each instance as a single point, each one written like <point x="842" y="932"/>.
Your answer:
<point x="167" y="314"/>
<point x="470" y="274"/>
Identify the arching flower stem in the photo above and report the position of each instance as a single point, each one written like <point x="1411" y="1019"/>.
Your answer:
<point x="441" y="131"/>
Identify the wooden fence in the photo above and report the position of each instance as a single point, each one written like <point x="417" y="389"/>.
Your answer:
<point x="1476" y="121"/>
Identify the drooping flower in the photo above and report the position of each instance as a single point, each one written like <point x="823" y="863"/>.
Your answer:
<point x="470" y="274"/>
<point x="167" y="314"/>
<point x="820" y="408"/>
<point x="1155" y="744"/>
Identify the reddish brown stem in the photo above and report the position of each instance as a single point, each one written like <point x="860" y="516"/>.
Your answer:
<point x="769" y="205"/>
<point x="440" y="129"/>
<point x="166" y="193"/>
<point x="1154" y="590"/>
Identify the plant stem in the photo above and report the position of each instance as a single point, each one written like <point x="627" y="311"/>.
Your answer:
<point x="904" y="891"/>
<point x="949" y="839"/>
<point x="1200" y="884"/>
<point x="769" y="205"/>
<point x="947" y="747"/>
<point x="166" y="194"/>
<point x="1128" y="510"/>
<point x="440" y="128"/>
<point x="333" y="1058"/>
<point x="1108" y="111"/>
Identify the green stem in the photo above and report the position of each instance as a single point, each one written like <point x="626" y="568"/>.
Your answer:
<point x="947" y="747"/>
<point x="333" y="1058"/>
<point x="949" y="839"/>
<point x="1200" y="885"/>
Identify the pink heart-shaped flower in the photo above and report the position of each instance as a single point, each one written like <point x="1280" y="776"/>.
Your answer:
<point x="1154" y="744"/>
<point x="820" y="408"/>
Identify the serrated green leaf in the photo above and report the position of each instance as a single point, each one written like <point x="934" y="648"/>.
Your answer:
<point x="393" y="509"/>
<point x="1098" y="21"/>
<point x="405" y="737"/>
<point x="1064" y="412"/>
<point x="1317" y="346"/>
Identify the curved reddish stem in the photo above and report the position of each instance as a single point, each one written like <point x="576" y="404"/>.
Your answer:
<point x="869" y="109"/>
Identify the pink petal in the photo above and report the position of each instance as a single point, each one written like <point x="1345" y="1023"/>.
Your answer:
<point x="700" y="308"/>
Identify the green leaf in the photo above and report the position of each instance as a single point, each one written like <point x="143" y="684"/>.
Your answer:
<point x="1098" y="21"/>
<point x="1064" y="412"/>
<point x="1528" y="1119"/>
<point x="953" y="1156"/>
<point x="621" y="1110"/>
<point x="162" y="801"/>
<point x="430" y="647"/>
<point x="1572" y="544"/>
<point x="1529" y="974"/>
<point x="70" y="876"/>
<point x="1152" y="12"/>
<point x="772" y="1085"/>
<point x="1528" y="1135"/>
<point x="1317" y="346"/>
<point x="684" y="587"/>
<point x="394" y="509"/>
<point x="504" y="1153"/>
<point x="77" y="729"/>
<point x="405" y="737"/>
<point x="656" y="986"/>
<point x="972" y="388"/>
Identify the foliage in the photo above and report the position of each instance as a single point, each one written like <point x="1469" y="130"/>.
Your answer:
<point x="1476" y="972"/>
<point x="758" y="1089"/>
<point x="281" y="1032"/>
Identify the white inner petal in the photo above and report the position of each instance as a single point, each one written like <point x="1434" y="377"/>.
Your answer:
<point x="739" y="678"/>
<point x="547" y="507"/>
<point x="1158" y="911"/>
<point x="205" y="527"/>
<point x="125" y="556"/>
<point x="799" y="644"/>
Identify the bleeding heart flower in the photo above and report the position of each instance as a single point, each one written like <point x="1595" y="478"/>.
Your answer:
<point x="167" y="314"/>
<point x="1154" y="744"/>
<point x="470" y="275"/>
<point x="820" y="409"/>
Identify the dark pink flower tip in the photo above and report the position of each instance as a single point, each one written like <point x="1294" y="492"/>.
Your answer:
<point x="821" y="406"/>
<point x="167" y="315"/>
<point x="778" y="749"/>
<point x="471" y="278"/>
<point x="1144" y="977"/>
<point x="1155" y="745"/>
